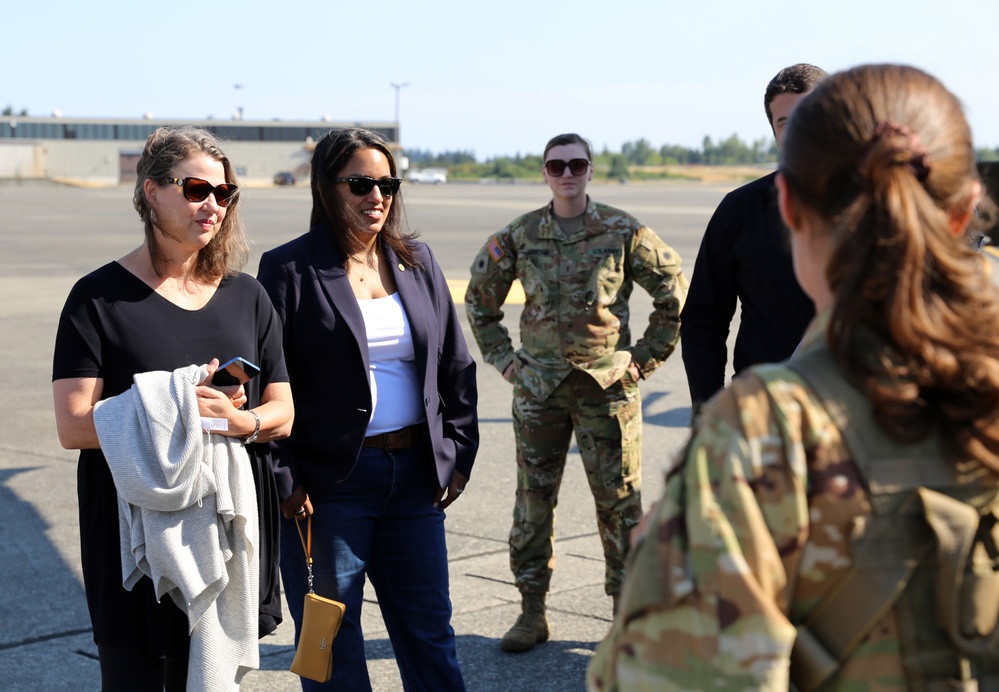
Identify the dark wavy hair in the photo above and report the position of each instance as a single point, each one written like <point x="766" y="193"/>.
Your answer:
<point x="883" y="155"/>
<point x="165" y="150"/>
<point x="333" y="151"/>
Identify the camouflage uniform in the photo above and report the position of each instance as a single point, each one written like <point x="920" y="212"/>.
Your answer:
<point x="571" y="373"/>
<point x="991" y="255"/>
<point x="752" y="530"/>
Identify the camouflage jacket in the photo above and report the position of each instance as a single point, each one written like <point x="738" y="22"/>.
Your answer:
<point x="577" y="290"/>
<point x="991" y="255"/>
<point x="751" y="530"/>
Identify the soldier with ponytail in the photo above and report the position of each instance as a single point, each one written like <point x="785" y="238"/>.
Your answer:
<point x="832" y="522"/>
<point x="884" y="166"/>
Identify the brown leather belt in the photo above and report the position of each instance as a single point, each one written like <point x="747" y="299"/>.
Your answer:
<point x="397" y="439"/>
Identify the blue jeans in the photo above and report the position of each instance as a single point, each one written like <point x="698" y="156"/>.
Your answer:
<point x="380" y="522"/>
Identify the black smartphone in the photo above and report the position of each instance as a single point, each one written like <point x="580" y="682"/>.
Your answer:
<point x="236" y="371"/>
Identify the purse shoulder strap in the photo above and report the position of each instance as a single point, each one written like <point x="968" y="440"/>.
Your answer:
<point x="306" y="545"/>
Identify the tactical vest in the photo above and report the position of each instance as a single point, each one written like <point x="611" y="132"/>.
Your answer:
<point x="929" y="550"/>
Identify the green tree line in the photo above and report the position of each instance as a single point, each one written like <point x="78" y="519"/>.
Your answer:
<point x="636" y="159"/>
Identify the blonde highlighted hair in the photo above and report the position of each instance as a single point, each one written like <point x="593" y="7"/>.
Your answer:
<point x="165" y="150"/>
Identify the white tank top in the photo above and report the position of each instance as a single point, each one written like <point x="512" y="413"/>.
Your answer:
<point x="395" y="383"/>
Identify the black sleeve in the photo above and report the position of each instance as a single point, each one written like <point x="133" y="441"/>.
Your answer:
<point x="710" y="305"/>
<point x="78" y="340"/>
<point x="270" y="340"/>
<point x="274" y="277"/>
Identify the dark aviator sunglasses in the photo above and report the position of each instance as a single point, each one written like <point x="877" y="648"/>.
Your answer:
<point x="197" y="190"/>
<point x="362" y="185"/>
<point x="556" y="167"/>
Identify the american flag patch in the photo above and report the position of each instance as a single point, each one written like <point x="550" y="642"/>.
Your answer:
<point x="495" y="251"/>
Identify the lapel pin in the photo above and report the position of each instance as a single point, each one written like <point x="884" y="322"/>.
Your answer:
<point x="402" y="267"/>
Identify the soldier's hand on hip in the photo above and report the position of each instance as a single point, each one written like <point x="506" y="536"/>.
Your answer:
<point x="636" y="374"/>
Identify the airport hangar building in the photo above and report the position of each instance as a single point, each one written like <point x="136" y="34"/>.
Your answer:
<point x="102" y="151"/>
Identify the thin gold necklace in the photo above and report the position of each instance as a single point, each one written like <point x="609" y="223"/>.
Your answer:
<point x="364" y="267"/>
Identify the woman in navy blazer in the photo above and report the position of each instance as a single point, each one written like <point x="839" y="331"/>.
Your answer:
<point x="386" y="429"/>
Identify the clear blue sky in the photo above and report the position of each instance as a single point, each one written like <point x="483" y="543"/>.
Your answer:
<point x="494" y="77"/>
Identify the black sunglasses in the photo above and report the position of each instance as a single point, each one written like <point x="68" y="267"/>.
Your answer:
<point x="362" y="185"/>
<point x="197" y="190"/>
<point x="556" y="167"/>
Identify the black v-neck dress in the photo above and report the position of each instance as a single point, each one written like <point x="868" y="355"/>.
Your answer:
<point x="114" y="326"/>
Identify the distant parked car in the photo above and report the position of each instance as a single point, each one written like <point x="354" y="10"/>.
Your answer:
<point x="284" y="178"/>
<point x="431" y="176"/>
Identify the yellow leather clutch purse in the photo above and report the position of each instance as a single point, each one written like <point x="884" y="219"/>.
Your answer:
<point x="321" y="621"/>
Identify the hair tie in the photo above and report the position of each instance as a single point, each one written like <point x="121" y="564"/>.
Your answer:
<point x="913" y="146"/>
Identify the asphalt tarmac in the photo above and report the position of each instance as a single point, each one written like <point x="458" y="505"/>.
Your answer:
<point x="52" y="235"/>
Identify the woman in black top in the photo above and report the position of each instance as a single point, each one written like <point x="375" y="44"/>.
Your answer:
<point x="176" y="300"/>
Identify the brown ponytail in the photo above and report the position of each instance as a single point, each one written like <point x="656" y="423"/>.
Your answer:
<point x="883" y="154"/>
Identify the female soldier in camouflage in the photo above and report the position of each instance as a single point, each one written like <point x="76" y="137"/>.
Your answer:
<point x="812" y="491"/>
<point x="577" y="370"/>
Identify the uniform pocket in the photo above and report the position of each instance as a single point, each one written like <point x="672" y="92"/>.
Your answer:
<point x="532" y="279"/>
<point x="605" y="281"/>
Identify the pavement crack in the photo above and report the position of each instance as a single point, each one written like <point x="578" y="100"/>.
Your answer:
<point x="472" y="556"/>
<point x="585" y="557"/>
<point x="44" y="638"/>
<point x="475" y="535"/>
<point x="492" y="579"/>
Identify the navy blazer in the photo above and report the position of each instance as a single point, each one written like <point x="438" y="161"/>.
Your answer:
<point x="326" y="349"/>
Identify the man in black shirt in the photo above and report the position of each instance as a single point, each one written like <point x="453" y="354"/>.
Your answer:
<point x="745" y="254"/>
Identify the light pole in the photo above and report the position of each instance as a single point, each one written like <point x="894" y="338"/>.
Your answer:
<point x="239" y="109"/>
<point x="398" y="86"/>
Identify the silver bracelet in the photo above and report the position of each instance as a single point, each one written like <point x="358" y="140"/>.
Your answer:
<point x="256" y="430"/>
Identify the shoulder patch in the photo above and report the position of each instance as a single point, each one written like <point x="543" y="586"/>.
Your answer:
<point x="495" y="251"/>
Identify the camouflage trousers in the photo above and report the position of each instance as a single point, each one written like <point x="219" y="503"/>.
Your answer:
<point x="608" y="428"/>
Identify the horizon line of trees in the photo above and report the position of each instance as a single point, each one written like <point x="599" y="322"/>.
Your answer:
<point x="640" y="152"/>
<point x="637" y="159"/>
